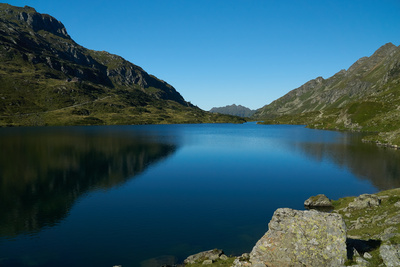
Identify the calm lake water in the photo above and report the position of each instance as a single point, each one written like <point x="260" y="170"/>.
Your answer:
<point x="153" y="195"/>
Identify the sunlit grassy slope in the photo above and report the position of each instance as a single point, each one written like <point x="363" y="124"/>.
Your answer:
<point x="366" y="97"/>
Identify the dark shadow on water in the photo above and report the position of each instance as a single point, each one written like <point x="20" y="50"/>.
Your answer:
<point x="164" y="261"/>
<point x="366" y="161"/>
<point x="43" y="172"/>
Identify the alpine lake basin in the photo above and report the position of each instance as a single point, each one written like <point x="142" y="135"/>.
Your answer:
<point x="151" y="195"/>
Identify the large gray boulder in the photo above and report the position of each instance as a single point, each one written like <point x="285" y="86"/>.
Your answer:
<point x="302" y="238"/>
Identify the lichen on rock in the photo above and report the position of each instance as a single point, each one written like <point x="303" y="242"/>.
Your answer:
<point x="302" y="238"/>
<point x="390" y="255"/>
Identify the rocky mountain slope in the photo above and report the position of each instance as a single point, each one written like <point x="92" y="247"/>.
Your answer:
<point x="366" y="97"/>
<point x="235" y="110"/>
<point x="48" y="79"/>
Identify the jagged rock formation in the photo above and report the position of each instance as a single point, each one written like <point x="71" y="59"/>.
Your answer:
<point x="41" y="22"/>
<point x="47" y="78"/>
<point x="364" y="97"/>
<point x="235" y="110"/>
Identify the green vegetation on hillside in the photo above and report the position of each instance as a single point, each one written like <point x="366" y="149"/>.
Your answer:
<point x="372" y="225"/>
<point x="48" y="79"/>
<point x="365" y="98"/>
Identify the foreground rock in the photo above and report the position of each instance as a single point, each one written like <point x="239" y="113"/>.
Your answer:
<point x="302" y="238"/>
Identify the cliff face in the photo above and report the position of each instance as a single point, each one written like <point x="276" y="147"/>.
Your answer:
<point x="365" y="97"/>
<point x="39" y="22"/>
<point x="46" y="78"/>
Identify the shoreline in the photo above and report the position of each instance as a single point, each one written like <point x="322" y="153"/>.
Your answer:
<point x="372" y="234"/>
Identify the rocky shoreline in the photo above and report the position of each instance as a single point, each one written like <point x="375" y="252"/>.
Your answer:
<point x="351" y="231"/>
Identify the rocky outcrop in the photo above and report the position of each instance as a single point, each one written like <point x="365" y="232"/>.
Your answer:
<point x="35" y="20"/>
<point x="302" y="238"/>
<point x="42" y="22"/>
<point x="365" y="201"/>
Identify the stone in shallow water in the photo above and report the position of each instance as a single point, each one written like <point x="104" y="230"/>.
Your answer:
<point x="318" y="201"/>
<point x="203" y="256"/>
<point x="302" y="238"/>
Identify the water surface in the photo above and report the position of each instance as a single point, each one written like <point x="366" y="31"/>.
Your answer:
<point x="152" y="195"/>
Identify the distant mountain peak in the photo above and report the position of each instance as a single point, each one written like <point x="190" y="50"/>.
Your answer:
<point x="235" y="110"/>
<point x="386" y="47"/>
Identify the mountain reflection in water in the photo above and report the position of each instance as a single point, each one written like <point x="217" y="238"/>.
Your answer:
<point x="44" y="172"/>
<point x="66" y="198"/>
<point x="378" y="165"/>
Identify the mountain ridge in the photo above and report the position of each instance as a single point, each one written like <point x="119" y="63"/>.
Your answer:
<point x="235" y="110"/>
<point x="48" y="79"/>
<point x="365" y="97"/>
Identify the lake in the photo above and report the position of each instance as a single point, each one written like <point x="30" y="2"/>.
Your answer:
<point x="155" y="194"/>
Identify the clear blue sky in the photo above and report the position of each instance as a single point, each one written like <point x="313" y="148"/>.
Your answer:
<point x="217" y="52"/>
